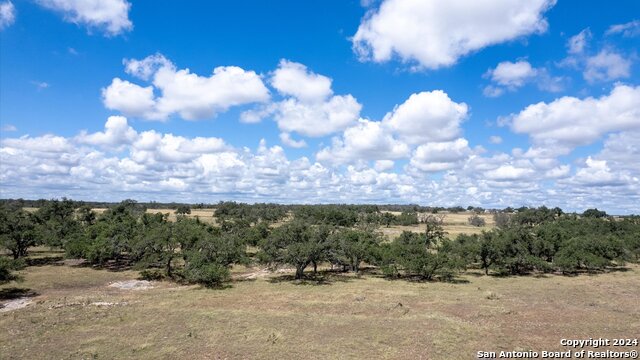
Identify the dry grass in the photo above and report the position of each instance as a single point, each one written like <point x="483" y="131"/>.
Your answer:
<point x="344" y="317"/>
<point x="453" y="224"/>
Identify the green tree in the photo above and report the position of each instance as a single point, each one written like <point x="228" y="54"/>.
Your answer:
<point x="208" y="260"/>
<point x="155" y="243"/>
<point x="297" y="244"/>
<point x="17" y="231"/>
<point x="183" y="210"/>
<point x="419" y="257"/>
<point x="594" y="213"/>
<point x="56" y="221"/>
<point x="353" y="246"/>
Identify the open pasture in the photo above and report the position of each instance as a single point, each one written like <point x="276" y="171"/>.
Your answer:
<point x="75" y="314"/>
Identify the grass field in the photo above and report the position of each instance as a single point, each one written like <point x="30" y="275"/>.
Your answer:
<point x="74" y="314"/>
<point x="453" y="225"/>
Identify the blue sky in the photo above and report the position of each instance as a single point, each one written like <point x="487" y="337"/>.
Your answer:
<point x="494" y="103"/>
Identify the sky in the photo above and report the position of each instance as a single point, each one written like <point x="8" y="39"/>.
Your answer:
<point x="490" y="103"/>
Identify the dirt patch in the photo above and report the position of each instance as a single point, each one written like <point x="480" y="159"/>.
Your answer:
<point x="15" y="304"/>
<point x="106" y="303"/>
<point x="133" y="285"/>
<point x="73" y="262"/>
<point x="255" y="274"/>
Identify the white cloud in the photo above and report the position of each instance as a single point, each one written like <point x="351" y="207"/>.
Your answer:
<point x="510" y="76"/>
<point x="295" y="80"/>
<point x="287" y="140"/>
<point x="570" y="122"/>
<point x="131" y="99"/>
<point x="144" y="69"/>
<point x="606" y="65"/>
<point x="182" y="92"/>
<point x="308" y="108"/>
<point x="40" y="85"/>
<point x="110" y="16"/>
<point x="384" y="165"/>
<point x="46" y="143"/>
<point x="120" y="162"/>
<point x="630" y="29"/>
<point x="597" y="173"/>
<point x="437" y="33"/>
<point x="426" y="117"/>
<point x="8" y="128"/>
<point x="117" y="132"/>
<point x="317" y="119"/>
<point x="7" y="14"/>
<point x="495" y="139"/>
<point x="440" y="156"/>
<point x="509" y="173"/>
<point x="367" y="140"/>
<point x="492" y="91"/>
<point x="578" y="43"/>
<point x="558" y="172"/>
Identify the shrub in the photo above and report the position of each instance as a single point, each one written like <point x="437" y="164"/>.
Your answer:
<point x="476" y="220"/>
<point x="206" y="273"/>
<point x="502" y="219"/>
<point x="7" y="266"/>
<point x="151" y="275"/>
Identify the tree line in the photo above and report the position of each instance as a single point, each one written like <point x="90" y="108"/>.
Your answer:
<point x="344" y="237"/>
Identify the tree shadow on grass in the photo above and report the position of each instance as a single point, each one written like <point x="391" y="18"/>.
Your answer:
<point x="203" y="287"/>
<point x="14" y="293"/>
<point x="44" y="261"/>
<point x="110" y="265"/>
<point x="422" y="280"/>
<point x="324" y="277"/>
<point x="595" y="272"/>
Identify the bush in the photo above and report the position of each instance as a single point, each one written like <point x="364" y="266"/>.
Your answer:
<point x="502" y="219"/>
<point x="183" y="210"/>
<point x="7" y="266"/>
<point x="151" y="275"/>
<point x="476" y="220"/>
<point x="205" y="273"/>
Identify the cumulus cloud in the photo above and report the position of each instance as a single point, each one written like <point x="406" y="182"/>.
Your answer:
<point x="509" y="173"/>
<point x="495" y="139"/>
<point x="110" y="16"/>
<point x="440" y="156"/>
<point x="316" y="119"/>
<point x="436" y="34"/>
<point x="116" y="132"/>
<point x="578" y="43"/>
<point x="605" y="66"/>
<point x="181" y="92"/>
<point x="368" y="140"/>
<point x="569" y="121"/>
<point x="510" y="76"/>
<point x="7" y="14"/>
<point x="424" y="129"/>
<point x="150" y="165"/>
<point x="309" y="107"/>
<point x="383" y="165"/>
<point x="427" y="117"/>
<point x="630" y="29"/>
<point x="597" y="173"/>
<point x="296" y="80"/>
<point x="287" y="140"/>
